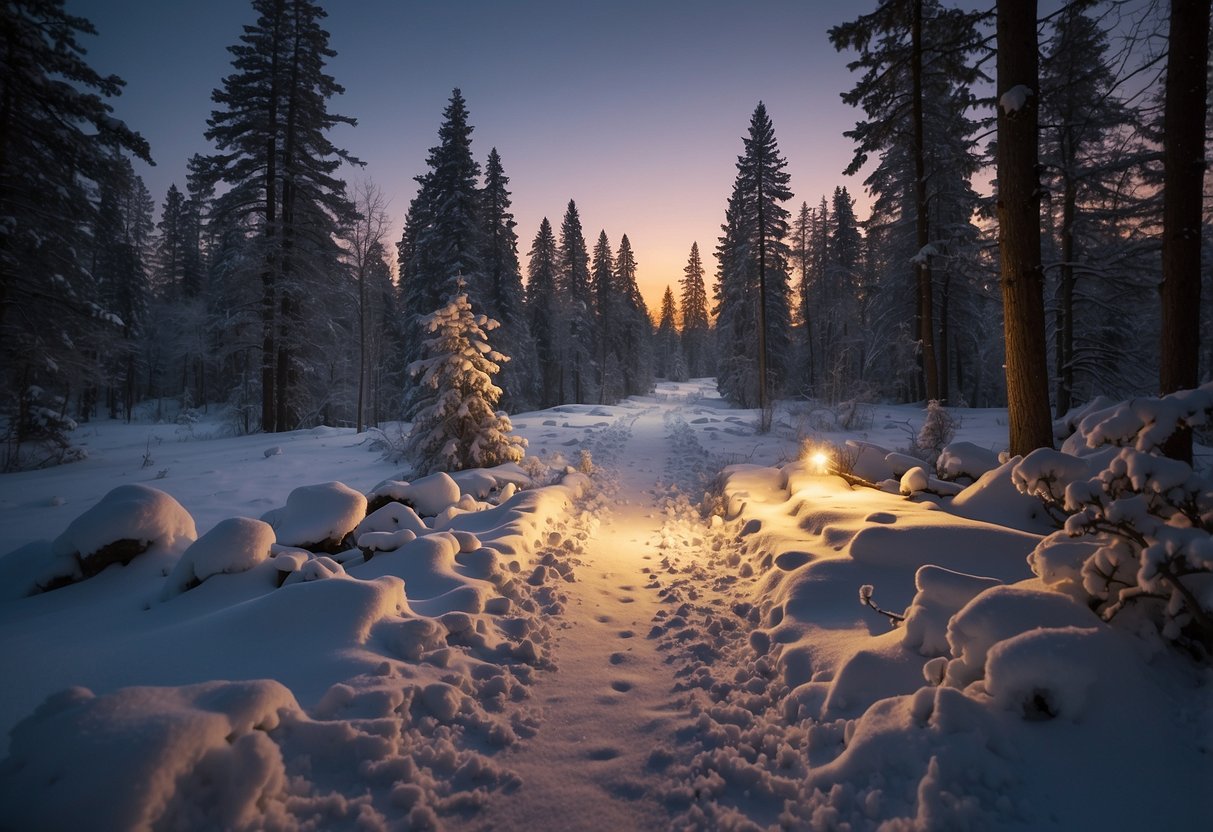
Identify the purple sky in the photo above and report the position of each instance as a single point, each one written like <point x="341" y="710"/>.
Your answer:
<point x="634" y="109"/>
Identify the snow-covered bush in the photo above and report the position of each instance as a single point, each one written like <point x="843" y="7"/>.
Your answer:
<point x="1146" y="521"/>
<point x="456" y="426"/>
<point x="37" y="433"/>
<point x="938" y="429"/>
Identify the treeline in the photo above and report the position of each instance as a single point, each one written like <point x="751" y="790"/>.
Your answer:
<point x="907" y="304"/>
<point x="265" y="287"/>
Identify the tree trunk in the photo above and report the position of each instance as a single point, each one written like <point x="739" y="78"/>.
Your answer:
<point x="1183" y="178"/>
<point x="1018" y="204"/>
<point x="361" y="339"/>
<point x="922" y="263"/>
<point x="1065" y="305"/>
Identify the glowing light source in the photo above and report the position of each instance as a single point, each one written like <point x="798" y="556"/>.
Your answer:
<point x="820" y="461"/>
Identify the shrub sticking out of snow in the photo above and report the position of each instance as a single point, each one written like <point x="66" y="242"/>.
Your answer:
<point x="1148" y="519"/>
<point x="317" y="517"/>
<point x="236" y="544"/>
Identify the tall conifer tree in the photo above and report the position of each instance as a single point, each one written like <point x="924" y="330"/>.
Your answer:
<point x="696" y="327"/>
<point x="577" y="365"/>
<point x="545" y="313"/>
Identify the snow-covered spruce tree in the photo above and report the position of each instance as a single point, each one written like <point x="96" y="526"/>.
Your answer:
<point x="1138" y="535"/>
<point x="455" y="421"/>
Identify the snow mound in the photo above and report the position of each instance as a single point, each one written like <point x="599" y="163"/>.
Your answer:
<point x="1046" y="673"/>
<point x="195" y="756"/>
<point x="1000" y="613"/>
<point x="428" y="495"/>
<point x="964" y="460"/>
<point x="995" y="499"/>
<point x="236" y="544"/>
<point x="126" y="522"/>
<point x="317" y="516"/>
<point x="941" y="594"/>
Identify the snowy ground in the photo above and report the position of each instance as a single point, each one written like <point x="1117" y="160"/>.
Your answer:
<point x="594" y="653"/>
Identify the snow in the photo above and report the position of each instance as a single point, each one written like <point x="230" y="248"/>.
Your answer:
<point x="1015" y="99"/>
<point x="670" y="641"/>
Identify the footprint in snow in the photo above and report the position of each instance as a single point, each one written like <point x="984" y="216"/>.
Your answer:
<point x="603" y="753"/>
<point x="621" y="686"/>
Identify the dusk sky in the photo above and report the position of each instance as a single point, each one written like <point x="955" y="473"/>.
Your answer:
<point x="634" y="109"/>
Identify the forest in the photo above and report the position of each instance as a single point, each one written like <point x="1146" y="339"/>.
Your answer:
<point x="270" y="289"/>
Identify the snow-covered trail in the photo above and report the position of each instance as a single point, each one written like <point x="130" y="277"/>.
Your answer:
<point x="609" y="702"/>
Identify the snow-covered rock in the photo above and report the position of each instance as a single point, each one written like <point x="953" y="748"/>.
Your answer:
<point x="428" y="495"/>
<point x="317" y="517"/>
<point x="126" y="522"/>
<point x="236" y="544"/>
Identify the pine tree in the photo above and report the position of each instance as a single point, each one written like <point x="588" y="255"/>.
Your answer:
<point x="843" y="279"/>
<point x="1087" y="159"/>
<point x="121" y="252"/>
<point x="757" y="226"/>
<point x="696" y="328"/>
<point x="546" y="313"/>
<point x="56" y="133"/>
<point x="915" y="90"/>
<point x="455" y="422"/>
<point x="608" y="312"/>
<point x="504" y="296"/>
<point x="636" y="351"/>
<point x="736" y="309"/>
<point x="669" y="361"/>
<point x="580" y="336"/>
<point x="270" y="130"/>
<point x="443" y="236"/>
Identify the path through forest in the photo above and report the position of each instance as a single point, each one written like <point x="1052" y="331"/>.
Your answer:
<point x="610" y="701"/>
